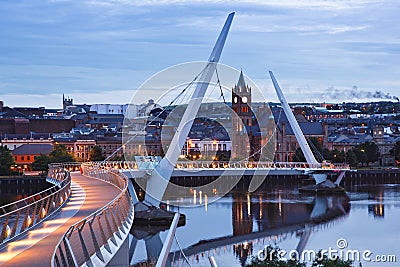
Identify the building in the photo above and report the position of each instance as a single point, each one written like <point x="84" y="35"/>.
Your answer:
<point x="242" y="117"/>
<point x="286" y="142"/>
<point x="207" y="148"/>
<point x="25" y="154"/>
<point x="14" y="141"/>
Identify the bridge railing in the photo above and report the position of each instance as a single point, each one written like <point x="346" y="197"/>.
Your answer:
<point x="18" y="217"/>
<point x="256" y="165"/>
<point x="218" y="165"/>
<point x="94" y="239"/>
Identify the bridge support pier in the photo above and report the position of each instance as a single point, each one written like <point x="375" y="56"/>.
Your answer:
<point x="121" y="258"/>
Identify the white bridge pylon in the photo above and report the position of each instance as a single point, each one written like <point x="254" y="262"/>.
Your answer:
<point x="305" y="148"/>
<point x="160" y="176"/>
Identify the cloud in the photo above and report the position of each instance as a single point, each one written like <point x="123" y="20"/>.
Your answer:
<point x="98" y="46"/>
<point x="322" y="4"/>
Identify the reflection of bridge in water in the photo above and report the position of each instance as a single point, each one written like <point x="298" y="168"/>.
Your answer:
<point x="275" y="219"/>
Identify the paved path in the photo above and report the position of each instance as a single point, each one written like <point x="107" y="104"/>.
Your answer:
<point x="37" y="246"/>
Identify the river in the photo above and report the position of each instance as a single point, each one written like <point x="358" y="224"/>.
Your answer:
<point x="363" y="223"/>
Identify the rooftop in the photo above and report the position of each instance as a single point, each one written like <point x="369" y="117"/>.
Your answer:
<point x="33" y="149"/>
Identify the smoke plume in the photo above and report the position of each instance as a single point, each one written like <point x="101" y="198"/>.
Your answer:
<point x="355" y="94"/>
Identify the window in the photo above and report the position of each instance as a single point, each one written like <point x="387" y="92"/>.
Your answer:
<point x="22" y="158"/>
<point x="29" y="158"/>
<point x="224" y="147"/>
<point x="245" y="109"/>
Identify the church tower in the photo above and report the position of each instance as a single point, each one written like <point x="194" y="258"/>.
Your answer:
<point x="241" y="119"/>
<point x="67" y="102"/>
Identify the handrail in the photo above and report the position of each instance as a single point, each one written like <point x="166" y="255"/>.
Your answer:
<point x="198" y="164"/>
<point x="22" y="215"/>
<point x="90" y="241"/>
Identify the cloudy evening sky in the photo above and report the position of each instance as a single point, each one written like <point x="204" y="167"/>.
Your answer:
<point x="100" y="51"/>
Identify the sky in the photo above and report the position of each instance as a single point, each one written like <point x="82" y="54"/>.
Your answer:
<point x="101" y="51"/>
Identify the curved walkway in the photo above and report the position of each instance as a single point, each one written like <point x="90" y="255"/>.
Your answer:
<point x="37" y="246"/>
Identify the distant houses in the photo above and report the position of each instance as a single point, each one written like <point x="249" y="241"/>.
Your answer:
<point x="25" y="154"/>
<point x="247" y="128"/>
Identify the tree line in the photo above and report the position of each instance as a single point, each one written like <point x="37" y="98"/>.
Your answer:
<point x="59" y="154"/>
<point x="362" y="154"/>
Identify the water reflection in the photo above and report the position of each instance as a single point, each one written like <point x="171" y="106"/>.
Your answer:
<point x="256" y="219"/>
<point x="13" y="189"/>
<point x="376" y="195"/>
<point x="234" y="228"/>
<point x="261" y="219"/>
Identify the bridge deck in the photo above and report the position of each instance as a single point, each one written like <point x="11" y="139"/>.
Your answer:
<point x="36" y="247"/>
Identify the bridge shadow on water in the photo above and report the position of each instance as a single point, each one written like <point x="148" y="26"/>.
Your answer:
<point x="239" y="223"/>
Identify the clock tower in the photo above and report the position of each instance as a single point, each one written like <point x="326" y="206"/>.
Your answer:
<point x="241" y="119"/>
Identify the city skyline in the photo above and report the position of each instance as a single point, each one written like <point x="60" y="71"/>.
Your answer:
<point x="101" y="51"/>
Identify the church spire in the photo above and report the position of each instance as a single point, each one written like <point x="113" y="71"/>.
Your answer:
<point x="241" y="83"/>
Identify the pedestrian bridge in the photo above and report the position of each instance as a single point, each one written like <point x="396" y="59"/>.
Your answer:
<point x="140" y="169"/>
<point x="82" y="220"/>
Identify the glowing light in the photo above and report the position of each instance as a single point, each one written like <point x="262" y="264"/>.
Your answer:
<point x="8" y="231"/>
<point x="206" y="202"/>
<point x="43" y="212"/>
<point x="248" y="205"/>
<point x="28" y="221"/>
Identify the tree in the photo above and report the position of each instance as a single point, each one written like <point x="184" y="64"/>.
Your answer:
<point x="41" y="163"/>
<point x="6" y="161"/>
<point x="117" y="158"/>
<point x="299" y="156"/>
<point x="367" y="152"/>
<point x="336" y="156"/>
<point x="60" y="154"/>
<point x="320" y="153"/>
<point x="395" y="151"/>
<point x="271" y="258"/>
<point x="96" y="154"/>
<point x="322" y="260"/>
<point x="351" y="158"/>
